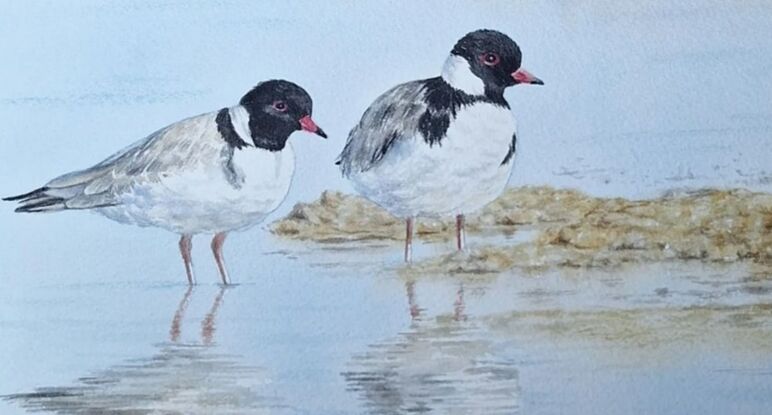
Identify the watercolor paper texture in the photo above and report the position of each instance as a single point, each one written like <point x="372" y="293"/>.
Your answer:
<point x="625" y="268"/>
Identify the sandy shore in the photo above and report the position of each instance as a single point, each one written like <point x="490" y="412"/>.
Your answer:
<point x="574" y="229"/>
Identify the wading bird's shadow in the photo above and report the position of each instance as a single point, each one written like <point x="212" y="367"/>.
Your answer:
<point x="459" y="306"/>
<point x="182" y="377"/>
<point x="443" y="364"/>
<point x="208" y="325"/>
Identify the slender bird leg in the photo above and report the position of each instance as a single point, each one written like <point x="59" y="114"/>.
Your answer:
<point x="409" y="240"/>
<point x="217" y="243"/>
<point x="460" y="233"/>
<point x="186" y="244"/>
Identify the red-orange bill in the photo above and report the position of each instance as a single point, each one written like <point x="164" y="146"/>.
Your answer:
<point x="308" y="124"/>
<point x="521" y="76"/>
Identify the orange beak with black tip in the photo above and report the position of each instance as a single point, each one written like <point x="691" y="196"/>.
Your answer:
<point x="308" y="124"/>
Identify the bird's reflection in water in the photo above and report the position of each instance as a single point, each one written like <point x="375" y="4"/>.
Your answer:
<point x="208" y="324"/>
<point x="416" y="310"/>
<point x="444" y="364"/>
<point x="182" y="377"/>
<point x="176" y="330"/>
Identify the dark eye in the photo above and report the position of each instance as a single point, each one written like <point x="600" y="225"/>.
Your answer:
<point x="490" y="59"/>
<point x="280" y="106"/>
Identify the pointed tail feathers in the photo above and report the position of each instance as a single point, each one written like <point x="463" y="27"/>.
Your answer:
<point x="46" y="199"/>
<point x="38" y="200"/>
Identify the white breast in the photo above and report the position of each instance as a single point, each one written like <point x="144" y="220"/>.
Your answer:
<point x="267" y="178"/>
<point x="460" y="175"/>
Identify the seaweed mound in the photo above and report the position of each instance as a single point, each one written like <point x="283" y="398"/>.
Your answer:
<point x="575" y="229"/>
<point x="714" y="225"/>
<point x="337" y="217"/>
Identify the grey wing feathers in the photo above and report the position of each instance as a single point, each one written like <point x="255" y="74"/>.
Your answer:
<point x="393" y="116"/>
<point x="102" y="184"/>
<point x="72" y="190"/>
<point x="47" y="199"/>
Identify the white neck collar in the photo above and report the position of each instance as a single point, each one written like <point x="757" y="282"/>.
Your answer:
<point x="240" y="121"/>
<point x="457" y="73"/>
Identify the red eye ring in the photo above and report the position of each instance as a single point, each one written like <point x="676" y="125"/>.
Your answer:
<point x="490" y="59"/>
<point x="280" y="106"/>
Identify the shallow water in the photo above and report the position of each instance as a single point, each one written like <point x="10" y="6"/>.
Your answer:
<point x="330" y="329"/>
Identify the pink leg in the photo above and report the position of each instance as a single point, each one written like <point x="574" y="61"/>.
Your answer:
<point x="460" y="233"/>
<point x="409" y="240"/>
<point x="217" y="243"/>
<point x="186" y="244"/>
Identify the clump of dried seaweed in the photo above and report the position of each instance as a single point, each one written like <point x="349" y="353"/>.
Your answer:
<point x="715" y="225"/>
<point x="337" y="217"/>
<point x="576" y="229"/>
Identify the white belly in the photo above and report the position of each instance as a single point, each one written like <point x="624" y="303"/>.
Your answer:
<point x="459" y="176"/>
<point x="203" y="199"/>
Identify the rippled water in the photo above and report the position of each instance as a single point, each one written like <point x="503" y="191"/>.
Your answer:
<point x="331" y="330"/>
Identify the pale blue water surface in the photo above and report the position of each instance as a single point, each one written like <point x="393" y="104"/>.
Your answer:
<point x="324" y="329"/>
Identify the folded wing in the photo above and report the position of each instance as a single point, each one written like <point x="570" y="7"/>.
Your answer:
<point x="162" y="153"/>
<point x="393" y="116"/>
